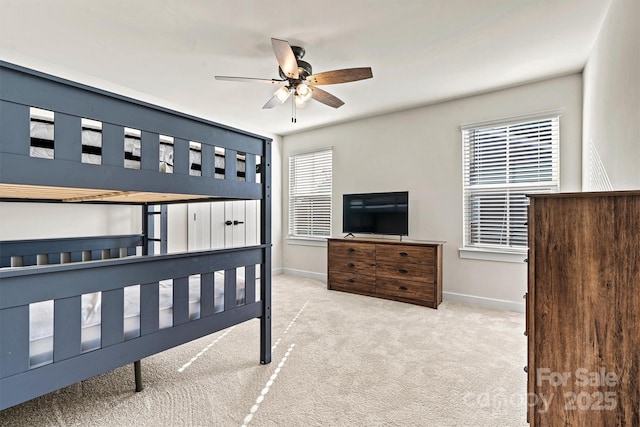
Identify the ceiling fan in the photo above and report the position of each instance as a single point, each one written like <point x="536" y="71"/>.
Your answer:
<point x="298" y="80"/>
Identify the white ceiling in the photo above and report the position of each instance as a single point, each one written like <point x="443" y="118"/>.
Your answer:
<point x="421" y="51"/>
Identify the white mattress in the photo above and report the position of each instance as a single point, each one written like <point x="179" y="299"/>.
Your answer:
<point x="41" y="315"/>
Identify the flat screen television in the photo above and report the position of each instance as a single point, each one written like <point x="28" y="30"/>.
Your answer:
<point x="376" y="213"/>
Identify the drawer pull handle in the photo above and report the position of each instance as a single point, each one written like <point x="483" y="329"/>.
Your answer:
<point x="351" y="281"/>
<point x="404" y="254"/>
<point x="403" y="288"/>
<point x="351" y="265"/>
<point x="403" y="271"/>
<point x="351" y="250"/>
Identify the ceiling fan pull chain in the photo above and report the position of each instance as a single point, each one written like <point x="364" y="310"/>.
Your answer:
<point x="293" y="111"/>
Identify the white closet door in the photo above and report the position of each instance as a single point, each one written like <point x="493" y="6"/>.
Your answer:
<point x="252" y="225"/>
<point x="220" y="225"/>
<point x="235" y="230"/>
<point x="199" y="226"/>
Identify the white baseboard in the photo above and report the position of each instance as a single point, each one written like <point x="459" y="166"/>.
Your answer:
<point x="308" y="274"/>
<point x="276" y="271"/>
<point x="484" y="302"/>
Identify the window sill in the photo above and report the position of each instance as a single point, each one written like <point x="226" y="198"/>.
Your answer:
<point x="493" y="255"/>
<point x="307" y="241"/>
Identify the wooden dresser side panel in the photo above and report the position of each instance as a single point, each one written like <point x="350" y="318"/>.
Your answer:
<point x="438" y="276"/>
<point x="530" y="313"/>
<point x="586" y="302"/>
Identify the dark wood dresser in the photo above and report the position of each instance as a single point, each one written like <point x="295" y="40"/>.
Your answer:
<point x="583" y="309"/>
<point x="406" y="271"/>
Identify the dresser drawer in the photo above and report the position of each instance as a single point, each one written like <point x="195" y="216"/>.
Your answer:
<point x="405" y="254"/>
<point x="352" y="265"/>
<point x="413" y="272"/>
<point x="351" y="282"/>
<point x="406" y="289"/>
<point x="352" y="249"/>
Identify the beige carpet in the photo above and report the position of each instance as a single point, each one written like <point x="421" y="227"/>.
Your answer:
<point x="338" y="360"/>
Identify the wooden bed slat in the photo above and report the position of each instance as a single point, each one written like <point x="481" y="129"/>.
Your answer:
<point x="181" y="156"/>
<point x="67" y="141"/>
<point x="250" y="284"/>
<point x="206" y="295"/>
<point x="207" y="164"/>
<point x="149" y="151"/>
<point x="250" y="168"/>
<point x="14" y="340"/>
<point x="180" y="300"/>
<point x="229" y="289"/>
<point x="29" y="259"/>
<point x="231" y="164"/>
<point x="38" y="192"/>
<point x="112" y="145"/>
<point x="53" y="258"/>
<point x="112" y="317"/>
<point x="150" y="308"/>
<point x="67" y="328"/>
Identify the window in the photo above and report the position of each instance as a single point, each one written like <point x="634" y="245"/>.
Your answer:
<point x="502" y="162"/>
<point x="310" y="194"/>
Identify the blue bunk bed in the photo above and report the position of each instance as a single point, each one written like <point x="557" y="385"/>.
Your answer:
<point x="107" y="301"/>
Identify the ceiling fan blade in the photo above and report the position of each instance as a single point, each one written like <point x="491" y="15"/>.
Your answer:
<point x="326" y="98"/>
<point x="271" y="103"/>
<point x="286" y="58"/>
<point x="340" y="76"/>
<point x="249" y="79"/>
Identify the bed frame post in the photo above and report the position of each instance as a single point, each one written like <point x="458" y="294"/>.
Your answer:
<point x="147" y="224"/>
<point x="137" y="372"/>
<point x="164" y="225"/>
<point x="145" y="229"/>
<point x="265" y="268"/>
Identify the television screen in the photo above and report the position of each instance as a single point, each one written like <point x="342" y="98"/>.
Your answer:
<point x="376" y="213"/>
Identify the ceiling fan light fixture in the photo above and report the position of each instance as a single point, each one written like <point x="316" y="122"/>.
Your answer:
<point x="304" y="92"/>
<point x="300" y="101"/>
<point x="282" y="94"/>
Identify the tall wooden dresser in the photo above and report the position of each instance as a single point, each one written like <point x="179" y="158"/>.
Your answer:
<point x="406" y="271"/>
<point x="583" y="309"/>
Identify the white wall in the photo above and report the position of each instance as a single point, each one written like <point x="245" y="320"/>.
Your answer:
<point x="612" y="99"/>
<point x="49" y="220"/>
<point x="420" y="150"/>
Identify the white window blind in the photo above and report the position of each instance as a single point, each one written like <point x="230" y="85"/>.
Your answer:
<point x="310" y="185"/>
<point x="502" y="162"/>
